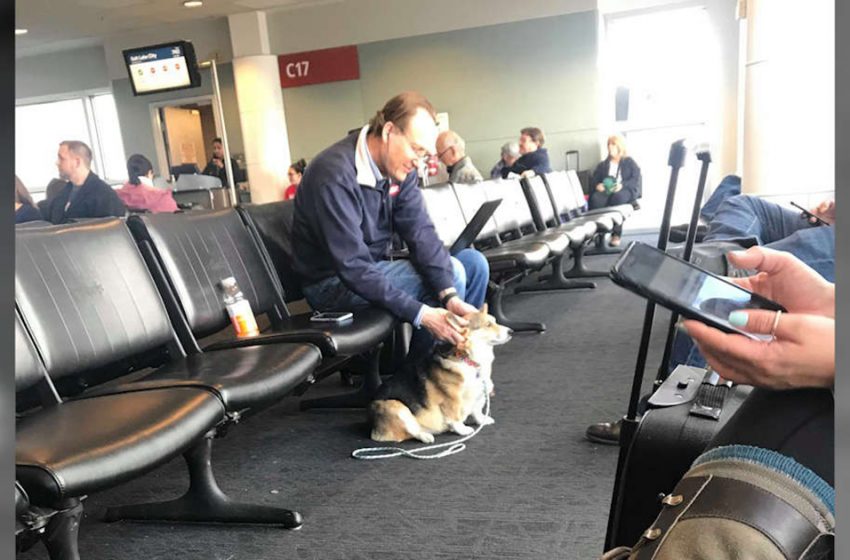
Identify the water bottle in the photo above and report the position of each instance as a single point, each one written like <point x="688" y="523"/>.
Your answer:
<point x="239" y="309"/>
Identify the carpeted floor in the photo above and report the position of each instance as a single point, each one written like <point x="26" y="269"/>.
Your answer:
<point x="529" y="487"/>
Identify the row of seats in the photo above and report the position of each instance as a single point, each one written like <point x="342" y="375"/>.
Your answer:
<point x="541" y="221"/>
<point x="124" y="361"/>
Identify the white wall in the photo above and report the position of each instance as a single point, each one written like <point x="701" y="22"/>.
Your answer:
<point x="333" y="24"/>
<point x="789" y="123"/>
<point x="59" y="73"/>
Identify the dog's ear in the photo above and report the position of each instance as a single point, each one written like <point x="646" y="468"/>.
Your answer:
<point x="484" y="308"/>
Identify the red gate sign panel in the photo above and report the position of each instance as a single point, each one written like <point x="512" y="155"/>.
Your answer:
<point x="319" y="67"/>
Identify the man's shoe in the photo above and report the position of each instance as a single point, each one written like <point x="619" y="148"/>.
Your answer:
<point x="607" y="433"/>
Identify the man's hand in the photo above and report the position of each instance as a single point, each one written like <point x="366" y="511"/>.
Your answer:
<point x="825" y="211"/>
<point x="600" y="187"/>
<point x="444" y="325"/>
<point x="786" y="280"/>
<point x="801" y="355"/>
<point x="218" y="163"/>
<point x="460" y="307"/>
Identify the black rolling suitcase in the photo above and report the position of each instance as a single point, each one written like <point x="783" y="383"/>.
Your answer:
<point x="684" y="413"/>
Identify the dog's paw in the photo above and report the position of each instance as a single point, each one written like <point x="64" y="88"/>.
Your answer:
<point x="484" y="420"/>
<point x="462" y="429"/>
<point x="425" y="437"/>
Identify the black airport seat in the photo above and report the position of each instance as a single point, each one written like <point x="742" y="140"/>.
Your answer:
<point x="67" y="450"/>
<point x="194" y="252"/>
<point x="509" y="261"/>
<point x="94" y="313"/>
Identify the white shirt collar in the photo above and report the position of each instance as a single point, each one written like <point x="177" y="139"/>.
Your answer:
<point x="367" y="171"/>
<point x="145" y="181"/>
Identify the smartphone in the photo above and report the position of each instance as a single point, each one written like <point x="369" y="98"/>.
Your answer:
<point x="809" y="215"/>
<point x="332" y="317"/>
<point x="685" y="288"/>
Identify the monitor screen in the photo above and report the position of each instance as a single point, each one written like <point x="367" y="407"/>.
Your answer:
<point x="164" y="67"/>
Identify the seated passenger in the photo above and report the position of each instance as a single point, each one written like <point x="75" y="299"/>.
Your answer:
<point x="510" y="153"/>
<point x="85" y="195"/>
<point x="791" y="411"/>
<point x="295" y="172"/>
<point x="451" y="150"/>
<point x="354" y="196"/>
<point x="534" y="159"/>
<point x="749" y="220"/>
<point x="616" y="180"/>
<point x="138" y="193"/>
<point x="25" y="208"/>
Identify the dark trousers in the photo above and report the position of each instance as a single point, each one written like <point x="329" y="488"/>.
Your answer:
<point x="603" y="199"/>
<point x="799" y="424"/>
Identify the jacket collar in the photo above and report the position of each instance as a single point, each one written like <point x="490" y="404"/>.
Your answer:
<point x="368" y="173"/>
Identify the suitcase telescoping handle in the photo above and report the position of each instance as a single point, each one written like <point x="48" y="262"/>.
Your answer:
<point x="704" y="155"/>
<point x="675" y="159"/>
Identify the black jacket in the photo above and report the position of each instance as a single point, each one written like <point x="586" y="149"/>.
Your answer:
<point x="27" y="213"/>
<point x="221" y="172"/>
<point x="629" y="173"/>
<point x="538" y="160"/>
<point x="95" y="199"/>
<point x="343" y="228"/>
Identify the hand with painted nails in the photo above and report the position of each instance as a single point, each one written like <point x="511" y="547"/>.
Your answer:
<point x="801" y="354"/>
<point x="785" y="279"/>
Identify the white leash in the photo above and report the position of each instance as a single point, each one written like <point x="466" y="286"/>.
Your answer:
<point x="456" y="446"/>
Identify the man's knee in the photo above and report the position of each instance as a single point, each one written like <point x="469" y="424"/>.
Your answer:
<point x="458" y="275"/>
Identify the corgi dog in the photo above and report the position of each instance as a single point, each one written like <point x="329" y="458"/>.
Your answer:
<point x="442" y="392"/>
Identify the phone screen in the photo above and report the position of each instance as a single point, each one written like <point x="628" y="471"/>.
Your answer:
<point x="688" y="287"/>
<point x="332" y="316"/>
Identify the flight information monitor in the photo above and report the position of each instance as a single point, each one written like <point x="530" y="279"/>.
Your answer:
<point x="165" y="67"/>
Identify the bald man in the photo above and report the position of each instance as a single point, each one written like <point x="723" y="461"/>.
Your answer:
<point x="451" y="149"/>
<point x="85" y="195"/>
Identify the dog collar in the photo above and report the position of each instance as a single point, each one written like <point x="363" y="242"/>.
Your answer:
<point x="470" y="362"/>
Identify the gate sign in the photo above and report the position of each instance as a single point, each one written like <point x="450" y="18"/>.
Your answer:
<point x="319" y="67"/>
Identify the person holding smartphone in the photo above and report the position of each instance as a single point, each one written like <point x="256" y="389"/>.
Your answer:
<point x="792" y="409"/>
<point x="217" y="168"/>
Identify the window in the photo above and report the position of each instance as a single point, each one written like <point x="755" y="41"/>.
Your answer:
<point x="40" y="127"/>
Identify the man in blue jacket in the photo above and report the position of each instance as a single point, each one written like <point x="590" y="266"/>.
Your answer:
<point x="353" y="197"/>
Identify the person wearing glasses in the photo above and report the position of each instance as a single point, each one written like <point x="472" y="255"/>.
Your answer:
<point x="353" y="198"/>
<point x="451" y="150"/>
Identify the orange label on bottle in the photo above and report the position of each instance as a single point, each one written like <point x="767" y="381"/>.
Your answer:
<point x="245" y="324"/>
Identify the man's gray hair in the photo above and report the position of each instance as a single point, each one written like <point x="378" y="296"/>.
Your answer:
<point x="510" y="149"/>
<point x="79" y="149"/>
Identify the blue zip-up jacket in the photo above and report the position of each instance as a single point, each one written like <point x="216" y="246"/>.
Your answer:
<point x="344" y="227"/>
<point x="538" y="160"/>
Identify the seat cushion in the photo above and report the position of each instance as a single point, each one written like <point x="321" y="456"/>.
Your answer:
<point x="90" y="444"/>
<point x="369" y="327"/>
<point x="517" y="255"/>
<point x="602" y="222"/>
<point x="244" y="378"/>
<point x="557" y="241"/>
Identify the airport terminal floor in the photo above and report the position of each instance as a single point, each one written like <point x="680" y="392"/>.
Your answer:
<point x="529" y="486"/>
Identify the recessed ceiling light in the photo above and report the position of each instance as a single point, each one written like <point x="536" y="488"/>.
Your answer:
<point x="21" y="31"/>
<point x="193" y="3"/>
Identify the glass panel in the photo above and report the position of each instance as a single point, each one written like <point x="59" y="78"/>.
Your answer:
<point x="39" y="129"/>
<point x="114" y="162"/>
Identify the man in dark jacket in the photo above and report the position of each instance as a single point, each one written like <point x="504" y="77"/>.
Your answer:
<point x="85" y="195"/>
<point x="534" y="159"/>
<point x="217" y="168"/>
<point x="352" y="198"/>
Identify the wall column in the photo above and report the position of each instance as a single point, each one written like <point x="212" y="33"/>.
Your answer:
<point x="789" y="97"/>
<point x="261" y="110"/>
